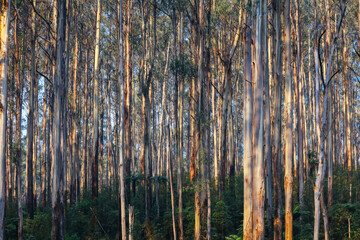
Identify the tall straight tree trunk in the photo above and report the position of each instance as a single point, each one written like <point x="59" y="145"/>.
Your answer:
<point x="299" y="114"/>
<point x="207" y="127"/>
<point x="248" y="131"/>
<point x="347" y="125"/>
<point x="74" y="143"/>
<point x="57" y="232"/>
<point x="78" y="133"/>
<point x="224" y="121"/>
<point x="52" y="99"/>
<point x="95" y="146"/>
<point x="214" y="118"/>
<point x="181" y="133"/>
<point x="267" y="124"/>
<point x="160" y="154"/>
<point x="317" y="126"/>
<point x="311" y="102"/>
<point x="199" y="162"/>
<point x="177" y="106"/>
<point x="258" y="187"/>
<point x="101" y="138"/>
<point x="109" y="174"/>
<point x="43" y="165"/>
<point x="128" y="90"/>
<point x="170" y="172"/>
<point x="110" y="166"/>
<point x="330" y="109"/>
<point x="35" y="141"/>
<point x="223" y="106"/>
<point x="65" y="137"/>
<point x="276" y="144"/>
<point x="30" y="128"/>
<point x="18" y="97"/>
<point x="85" y="126"/>
<point x="4" y="31"/>
<point x="288" y="127"/>
<point x="122" y="210"/>
<point x="330" y="148"/>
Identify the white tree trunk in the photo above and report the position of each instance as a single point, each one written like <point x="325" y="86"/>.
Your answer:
<point x="248" y="119"/>
<point x="320" y="131"/>
<point x="95" y="146"/>
<point x="258" y="187"/>
<point x="121" y="130"/>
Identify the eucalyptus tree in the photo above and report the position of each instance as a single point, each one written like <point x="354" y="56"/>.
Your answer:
<point x="4" y="32"/>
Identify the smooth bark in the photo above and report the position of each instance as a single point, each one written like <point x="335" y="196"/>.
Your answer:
<point x="95" y="146"/>
<point x="4" y="31"/>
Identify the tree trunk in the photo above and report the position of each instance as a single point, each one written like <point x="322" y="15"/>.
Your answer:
<point x="95" y="146"/>
<point x="224" y="115"/>
<point x="30" y="127"/>
<point x="267" y="124"/>
<point x="128" y="90"/>
<point x="19" y="88"/>
<point x="288" y="127"/>
<point x="74" y="116"/>
<point x="43" y="165"/>
<point x="58" y="150"/>
<point x="85" y="126"/>
<point x="181" y="133"/>
<point x="199" y="106"/>
<point x="330" y="149"/>
<point x="248" y="130"/>
<point x="321" y="135"/>
<point x="4" y="31"/>
<point x="321" y="164"/>
<point x="299" y="114"/>
<point x="131" y="221"/>
<point x="149" y="51"/>
<point x="276" y="145"/>
<point x="161" y="130"/>
<point x="347" y="124"/>
<point x="258" y="187"/>
<point x="122" y="211"/>
<point x="170" y="170"/>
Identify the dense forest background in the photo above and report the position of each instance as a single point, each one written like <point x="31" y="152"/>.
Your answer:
<point x="180" y="119"/>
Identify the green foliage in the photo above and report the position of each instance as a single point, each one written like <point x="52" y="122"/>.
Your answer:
<point x="234" y="237"/>
<point x="11" y="227"/>
<point x="342" y="215"/>
<point x="313" y="161"/>
<point x="39" y="227"/>
<point x="221" y="220"/>
<point x="88" y="219"/>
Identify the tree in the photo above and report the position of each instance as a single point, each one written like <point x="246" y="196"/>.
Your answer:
<point x="248" y="131"/>
<point x="258" y="186"/>
<point x="299" y="113"/>
<point x="58" y="223"/>
<point x="128" y="19"/>
<point x="122" y="211"/>
<point x="4" y="31"/>
<point x="320" y="130"/>
<point x="30" y="129"/>
<point x="288" y="127"/>
<point x="19" y="88"/>
<point x="95" y="146"/>
<point x="276" y="142"/>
